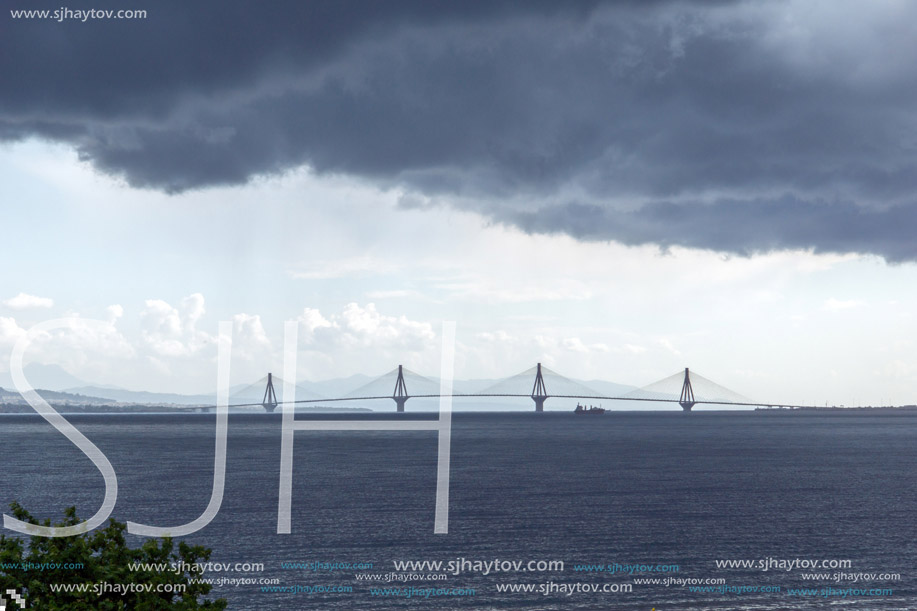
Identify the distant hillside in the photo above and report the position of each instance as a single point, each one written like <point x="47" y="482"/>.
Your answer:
<point x="143" y="396"/>
<point x="341" y="387"/>
<point x="610" y="389"/>
<point x="48" y="377"/>
<point x="238" y="394"/>
<point x="12" y="396"/>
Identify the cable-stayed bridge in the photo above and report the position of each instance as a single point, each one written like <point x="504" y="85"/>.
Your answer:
<point x="684" y="388"/>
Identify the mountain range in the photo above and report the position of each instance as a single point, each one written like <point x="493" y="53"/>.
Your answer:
<point x="66" y="387"/>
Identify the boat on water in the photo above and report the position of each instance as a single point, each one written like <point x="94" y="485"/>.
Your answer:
<point x="582" y="409"/>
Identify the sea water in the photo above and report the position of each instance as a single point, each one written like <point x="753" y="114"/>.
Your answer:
<point x="556" y="503"/>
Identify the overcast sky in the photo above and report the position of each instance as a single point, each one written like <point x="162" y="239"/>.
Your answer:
<point x="617" y="189"/>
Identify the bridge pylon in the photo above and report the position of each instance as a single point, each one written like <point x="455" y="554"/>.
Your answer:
<point x="400" y="395"/>
<point x="269" y="402"/>
<point x="686" y="399"/>
<point x="539" y="393"/>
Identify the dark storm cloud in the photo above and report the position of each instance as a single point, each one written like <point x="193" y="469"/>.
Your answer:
<point x="738" y="127"/>
<point x="741" y="227"/>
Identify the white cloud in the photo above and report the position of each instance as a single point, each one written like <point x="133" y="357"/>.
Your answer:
<point x="88" y="348"/>
<point x="365" y="340"/>
<point x="310" y="320"/>
<point x="575" y="344"/>
<point x="10" y="333"/>
<point x="668" y="346"/>
<point x="114" y="312"/>
<point x="172" y="332"/>
<point x="497" y="336"/>
<point x="364" y="326"/>
<point x="193" y="308"/>
<point x="369" y="327"/>
<point x="836" y="305"/>
<point x="23" y="301"/>
<point x="94" y="340"/>
<point x="249" y="339"/>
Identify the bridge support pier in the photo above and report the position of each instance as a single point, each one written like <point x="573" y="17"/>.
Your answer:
<point x="269" y="402"/>
<point x="400" y="396"/>
<point x="686" y="399"/>
<point x="539" y="393"/>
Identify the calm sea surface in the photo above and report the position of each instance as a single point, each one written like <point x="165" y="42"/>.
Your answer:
<point x="654" y="489"/>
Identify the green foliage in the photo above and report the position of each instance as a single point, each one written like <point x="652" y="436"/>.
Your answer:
<point x="105" y="558"/>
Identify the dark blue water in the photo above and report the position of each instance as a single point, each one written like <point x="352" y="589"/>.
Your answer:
<point x="628" y="488"/>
